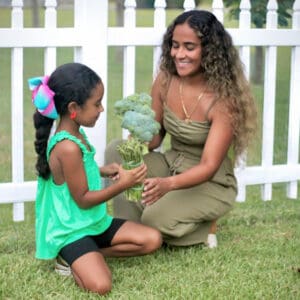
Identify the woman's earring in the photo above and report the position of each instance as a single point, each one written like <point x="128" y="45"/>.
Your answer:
<point x="73" y="115"/>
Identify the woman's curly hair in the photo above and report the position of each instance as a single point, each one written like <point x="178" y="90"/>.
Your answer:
<point x="223" y="70"/>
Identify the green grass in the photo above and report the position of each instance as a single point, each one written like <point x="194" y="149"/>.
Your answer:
<point x="256" y="259"/>
<point x="258" y="241"/>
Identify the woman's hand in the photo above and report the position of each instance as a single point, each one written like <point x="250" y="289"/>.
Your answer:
<point x="111" y="171"/>
<point x="154" y="189"/>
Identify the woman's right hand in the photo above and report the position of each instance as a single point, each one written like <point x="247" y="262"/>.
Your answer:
<point x="129" y="178"/>
<point x="154" y="189"/>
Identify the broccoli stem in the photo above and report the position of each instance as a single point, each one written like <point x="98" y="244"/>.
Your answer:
<point x="131" y="152"/>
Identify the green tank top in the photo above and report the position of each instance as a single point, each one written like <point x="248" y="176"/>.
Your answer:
<point x="59" y="220"/>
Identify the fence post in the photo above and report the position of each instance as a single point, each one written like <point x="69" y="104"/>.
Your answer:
<point x="244" y="23"/>
<point x="294" y="109"/>
<point x="17" y="109"/>
<point x="79" y="19"/>
<point x="50" y="22"/>
<point x="269" y="99"/>
<point x="129" y="54"/>
<point x="189" y="5"/>
<point x="94" y="24"/>
<point x="218" y="10"/>
<point x="159" y="22"/>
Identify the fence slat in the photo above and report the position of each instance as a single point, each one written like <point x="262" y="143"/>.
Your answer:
<point x="294" y="109"/>
<point x="17" y="109"/>
<point x="269" y="174"/>
<point x="189" y="5"/>
<point x="218" y="9"/>
<point x="269" y="100"/>
<point x="244" y="22"/>
<point x="146" y="36"/>
<point x="14" y="192"/>
<point x="50" y="22"/>
<point x="159" y="22"/>
<point x="94" y="55"/>
<point x="129" y="54"/>
<point x="79" y="19"/>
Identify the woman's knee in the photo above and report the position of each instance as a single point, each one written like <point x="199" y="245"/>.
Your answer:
<point x="167" y="225"/>
<point x="155" y="220"/>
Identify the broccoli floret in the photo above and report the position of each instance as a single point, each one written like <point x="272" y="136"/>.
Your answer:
<point x="135" y="102"/>
<point x="137" y="116"/>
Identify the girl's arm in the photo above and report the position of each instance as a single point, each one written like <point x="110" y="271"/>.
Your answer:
<point x="70" y="158"/>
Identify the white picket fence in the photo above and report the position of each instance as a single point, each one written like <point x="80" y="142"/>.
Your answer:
<point x="90" y="38"/>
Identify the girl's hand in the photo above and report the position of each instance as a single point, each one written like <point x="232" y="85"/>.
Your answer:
<point x="134" y="176"/>
<point x="111" y="171"/>
<point x="154" y="189"/>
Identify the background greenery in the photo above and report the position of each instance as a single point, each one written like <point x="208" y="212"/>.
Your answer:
<point x="258" y="253"/>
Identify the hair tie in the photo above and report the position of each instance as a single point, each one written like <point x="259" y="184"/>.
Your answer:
<point x="42" y="96"/>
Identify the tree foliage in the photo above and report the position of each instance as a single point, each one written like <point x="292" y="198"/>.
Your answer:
<point x="259" y="11"/>
<point x="259" y="18"/>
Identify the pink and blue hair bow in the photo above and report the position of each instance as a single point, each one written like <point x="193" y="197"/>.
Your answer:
<point x="42" y="96"/>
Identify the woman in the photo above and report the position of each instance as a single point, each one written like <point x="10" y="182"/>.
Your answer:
<point x="203" y="101"/>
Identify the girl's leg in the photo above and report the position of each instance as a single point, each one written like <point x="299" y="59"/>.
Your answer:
<point x="133" y="239"/>
<point x="91" y="272"/>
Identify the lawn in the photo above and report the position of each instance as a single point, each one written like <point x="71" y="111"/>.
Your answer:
<point x="258" y="253"/>
<point x="257" y="258"/>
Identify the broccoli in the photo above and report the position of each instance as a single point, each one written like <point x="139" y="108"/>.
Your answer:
<point x="141" y="126"/>
<point x="139" y="119"/>
<point x="136" y="103"/>
<point x="137" y="116"/>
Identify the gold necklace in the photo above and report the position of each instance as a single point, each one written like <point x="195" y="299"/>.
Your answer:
<point x="187" y="115"/>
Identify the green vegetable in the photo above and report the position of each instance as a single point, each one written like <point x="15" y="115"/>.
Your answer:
<point x="139" y="119"/>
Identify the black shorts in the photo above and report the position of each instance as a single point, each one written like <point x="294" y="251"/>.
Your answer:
<point x="90" y="243"/>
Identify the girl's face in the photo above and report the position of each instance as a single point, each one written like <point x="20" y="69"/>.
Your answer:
<point x="90" y="111"/>
<point x="186" y="50"/>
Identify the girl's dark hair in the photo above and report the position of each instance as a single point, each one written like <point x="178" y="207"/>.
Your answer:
<point x="71" y="82"/>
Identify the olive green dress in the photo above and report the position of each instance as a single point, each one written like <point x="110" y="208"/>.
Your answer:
<point x="182" y="216"/>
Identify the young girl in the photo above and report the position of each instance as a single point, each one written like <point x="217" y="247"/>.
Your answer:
<point x="71" y="218"/>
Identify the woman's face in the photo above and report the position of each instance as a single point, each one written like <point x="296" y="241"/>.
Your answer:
<point x="186" y="50"/>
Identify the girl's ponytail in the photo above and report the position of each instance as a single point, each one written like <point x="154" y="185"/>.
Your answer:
<point x="43" y="100"/>
<point x="43" y="127"/>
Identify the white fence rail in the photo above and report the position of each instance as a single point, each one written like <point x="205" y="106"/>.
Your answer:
<point x="90" y="38"/>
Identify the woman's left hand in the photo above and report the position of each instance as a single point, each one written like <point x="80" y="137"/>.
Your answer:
<point x="154" y="189"/>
